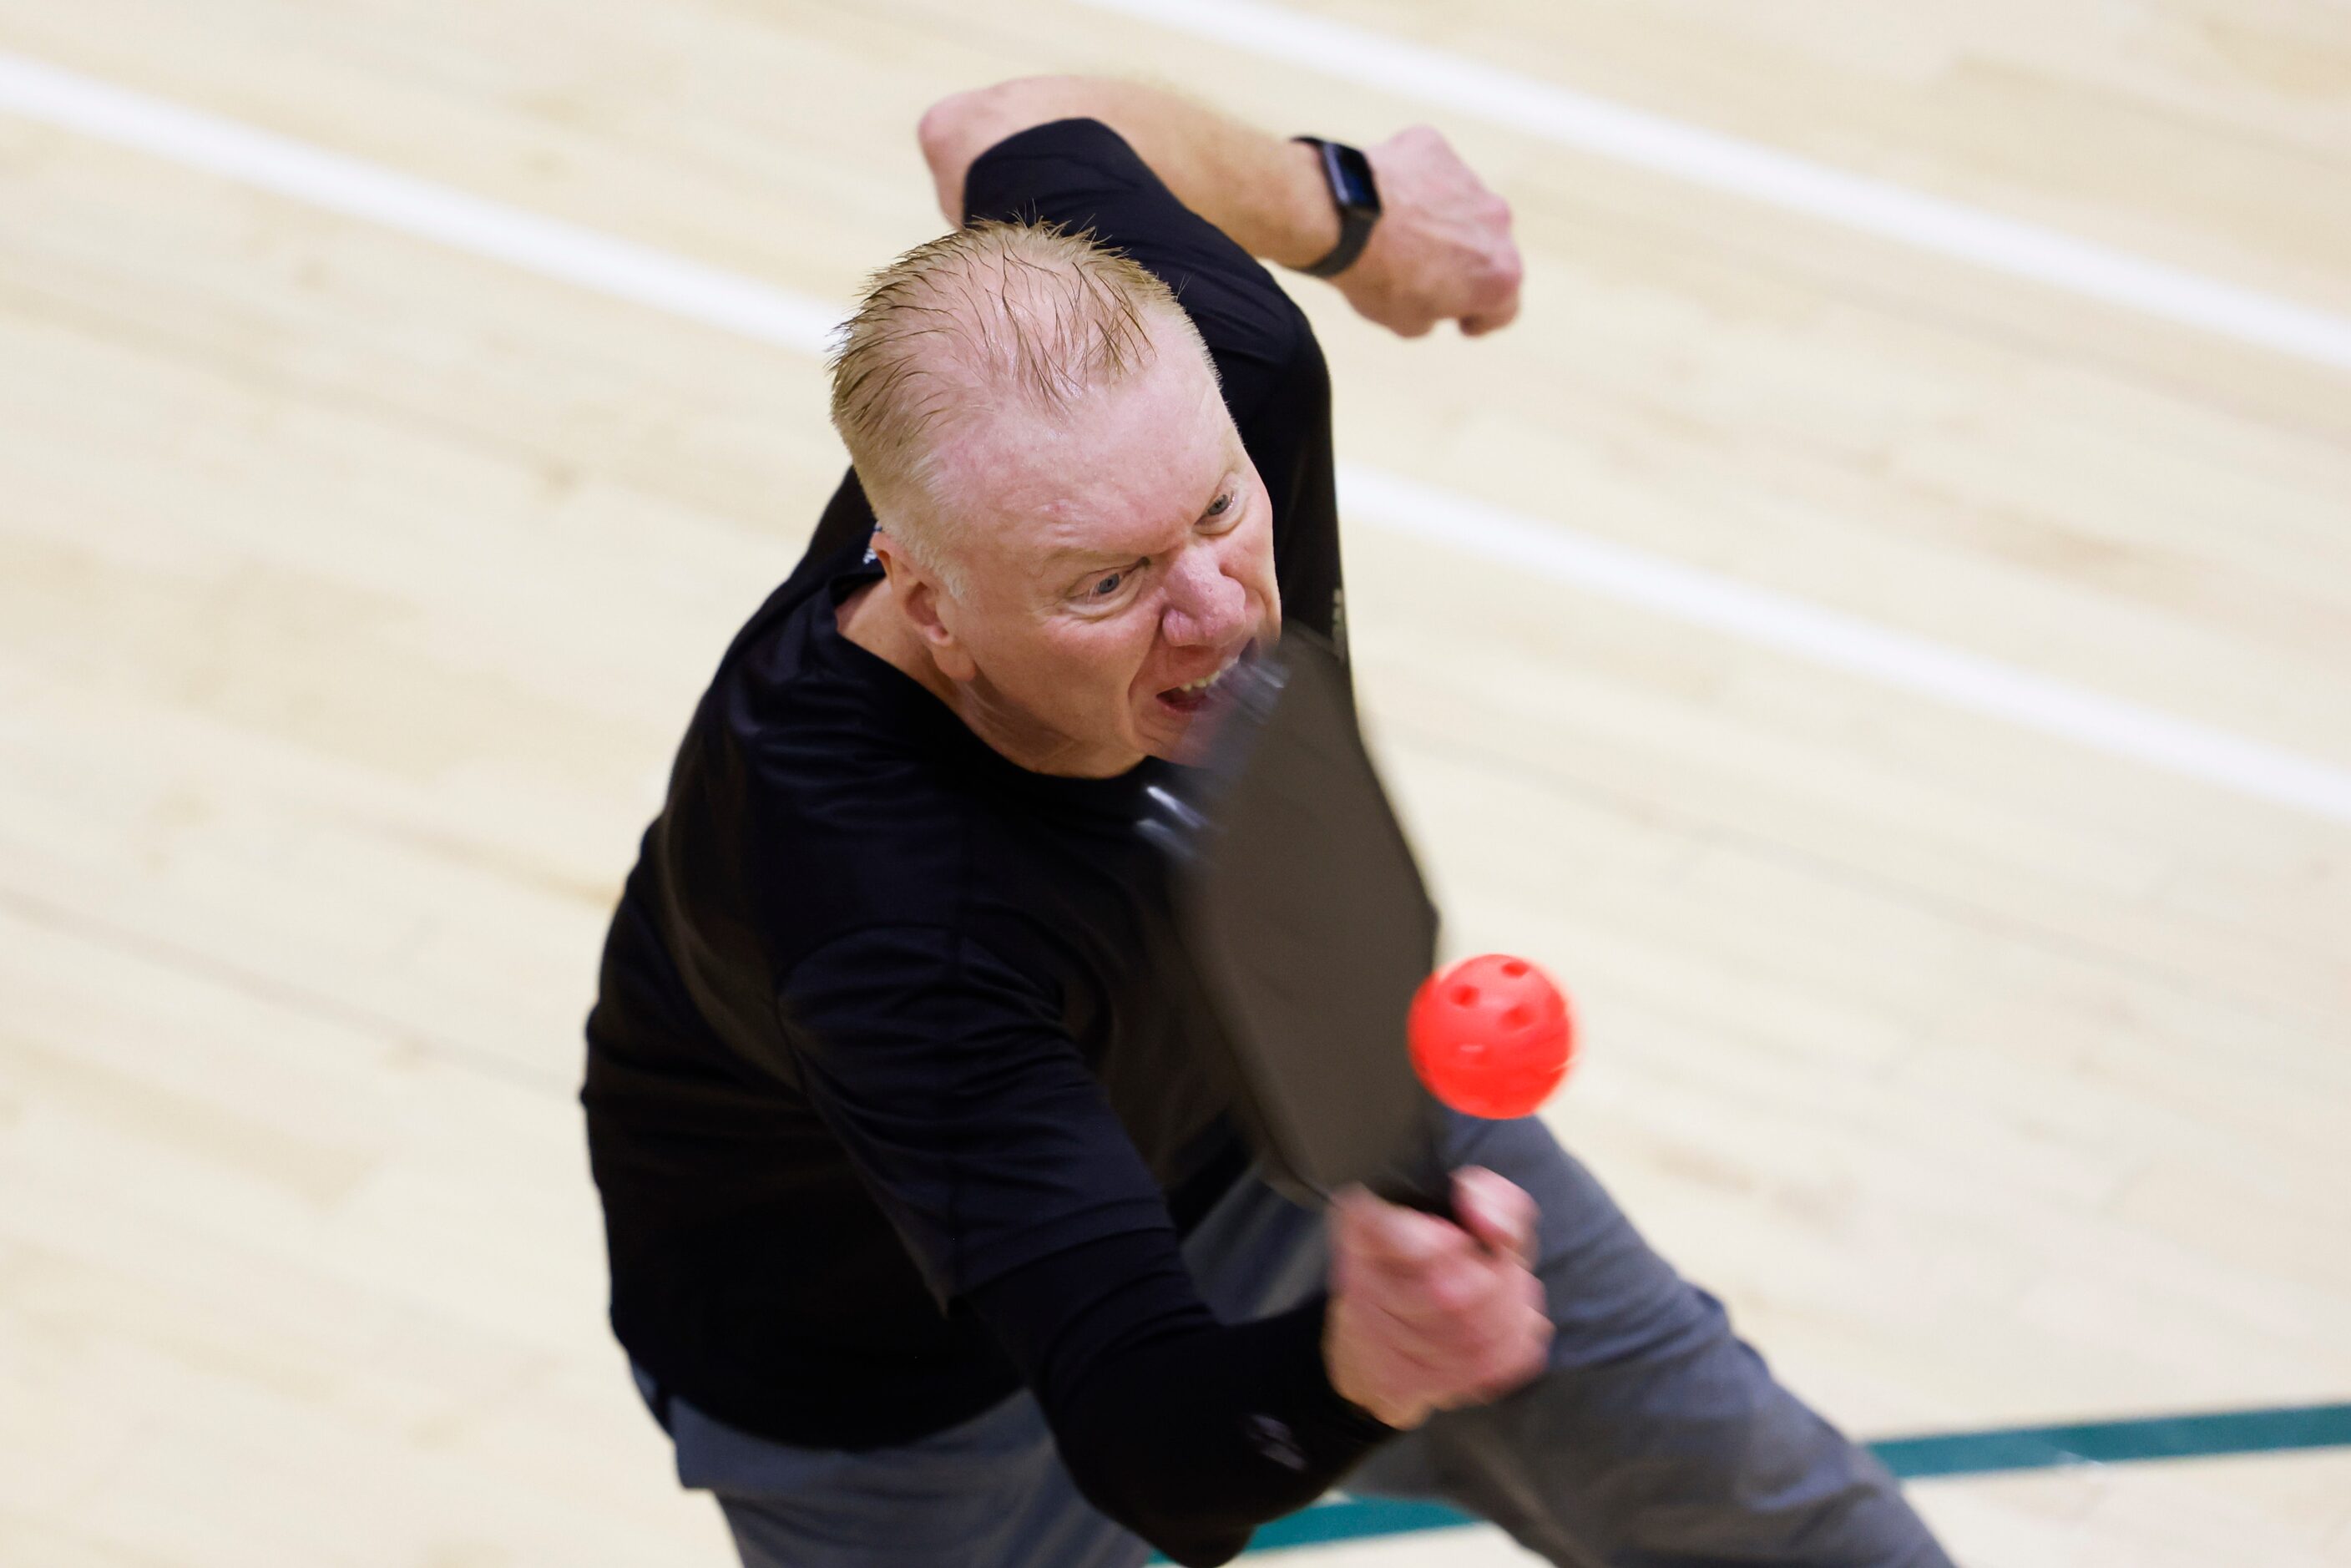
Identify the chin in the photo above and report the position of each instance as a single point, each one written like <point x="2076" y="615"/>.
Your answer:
<point x="1172" y="738"/>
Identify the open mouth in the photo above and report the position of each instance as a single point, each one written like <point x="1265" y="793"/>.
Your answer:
<point x="1188" y="698"/>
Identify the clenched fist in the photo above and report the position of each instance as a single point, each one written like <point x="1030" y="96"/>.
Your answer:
<point x="1441" y="250"/>
<point x="1426" y="1314"/>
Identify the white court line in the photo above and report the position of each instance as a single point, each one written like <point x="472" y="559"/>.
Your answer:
<point x="1761" y="173"/>
<point x="285" y="167"/>
<point x="757" y="309"/>
<point x="1849" y="644"/>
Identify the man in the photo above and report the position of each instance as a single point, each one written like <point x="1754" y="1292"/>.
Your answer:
<point x="931" y="1240"/>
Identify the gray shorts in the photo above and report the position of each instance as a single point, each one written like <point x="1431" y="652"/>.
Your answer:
<point x="1656" y="1438"/>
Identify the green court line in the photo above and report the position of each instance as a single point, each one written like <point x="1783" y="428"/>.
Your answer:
<point x="2278" y="1429"/>
<point x="2273" y="1430"/>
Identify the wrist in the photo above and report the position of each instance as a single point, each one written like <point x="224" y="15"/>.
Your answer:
<point x="1352" y="1397"/>
<point x="1309" y="224"/>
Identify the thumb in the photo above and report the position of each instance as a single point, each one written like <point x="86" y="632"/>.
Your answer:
<point x="1497" y="1211"/>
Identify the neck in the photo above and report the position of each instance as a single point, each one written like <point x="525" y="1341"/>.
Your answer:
<point x="873" y="620"/>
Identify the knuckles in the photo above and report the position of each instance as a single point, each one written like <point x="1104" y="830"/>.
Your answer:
<point x="1501" y="1368"/>
<point x="1503" y="272"/>
<point x="1519" y="1357"/>
<point x="1452" y="1292"/>
<point x="1495" y="1338"/>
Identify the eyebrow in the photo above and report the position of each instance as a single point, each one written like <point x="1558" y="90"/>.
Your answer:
<point x="1070" y="554"/>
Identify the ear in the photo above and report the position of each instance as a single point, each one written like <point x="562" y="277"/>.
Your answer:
<point x="927" y="605"/>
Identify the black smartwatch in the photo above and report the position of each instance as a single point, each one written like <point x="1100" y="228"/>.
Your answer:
<point x="1356" y="195"/>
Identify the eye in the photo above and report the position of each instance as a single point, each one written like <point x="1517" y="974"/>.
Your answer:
<point x="1223" y="504"/>
<point x="1111" y="584"/>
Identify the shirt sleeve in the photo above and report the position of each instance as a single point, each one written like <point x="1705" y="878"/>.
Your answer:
<point x="1082" y="174"/>
<point x="963" y="1104"/>
<point x="1188" y="1431"/>
<point x="973" y="1121"/>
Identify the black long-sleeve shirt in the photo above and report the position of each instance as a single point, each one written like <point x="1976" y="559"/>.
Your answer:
<point x="897" y="1086"/>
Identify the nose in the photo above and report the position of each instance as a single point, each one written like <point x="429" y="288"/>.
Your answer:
<point x="1204" y="607"/>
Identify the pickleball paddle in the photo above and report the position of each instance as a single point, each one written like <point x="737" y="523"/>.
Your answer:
<point x="1298" y="899"/>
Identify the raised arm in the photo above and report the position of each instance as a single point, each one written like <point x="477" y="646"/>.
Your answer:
<point x="1441" y="251"/>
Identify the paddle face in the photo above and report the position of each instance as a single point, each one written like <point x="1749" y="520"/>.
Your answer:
<point x="1304" y="912"/>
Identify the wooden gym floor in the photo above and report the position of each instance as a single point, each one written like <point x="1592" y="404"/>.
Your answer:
<point x="354" y="587"/>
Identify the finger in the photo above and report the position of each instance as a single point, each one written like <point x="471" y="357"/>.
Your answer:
<point x="1410" y="1363"/>
<point x="1499" y="1347"/>
<point x="1465" y="1318"/>
<point x="1430" y="1355"/>
<point x="1497" y="1211"/>
<point x="1469" y="1310"/>
<point x="1452" y="1296"/>
<point x="1512" y="1368"/>
<point x="1517" y="1349"/>
<point x="1386" y="1239"/>
<point x="1497" y="304"/>
<point x="1438" y="1363"/>
<point x="1479" y="323"/>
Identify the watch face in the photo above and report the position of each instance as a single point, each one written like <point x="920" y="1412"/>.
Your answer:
<point x="1351" y="177"/>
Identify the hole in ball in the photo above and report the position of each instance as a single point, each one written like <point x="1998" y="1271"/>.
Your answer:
<point x="1465" y="996"/>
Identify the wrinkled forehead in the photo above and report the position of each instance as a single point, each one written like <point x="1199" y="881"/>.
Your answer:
<point x="1115" y="467"/>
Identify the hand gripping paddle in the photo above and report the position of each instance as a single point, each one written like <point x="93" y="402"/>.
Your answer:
<point x="1300" y="903"/>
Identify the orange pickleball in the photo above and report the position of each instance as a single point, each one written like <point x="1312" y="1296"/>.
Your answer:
<point x="1490" y="1036"/>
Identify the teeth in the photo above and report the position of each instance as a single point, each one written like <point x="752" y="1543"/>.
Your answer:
<point x="1202" y="685"/>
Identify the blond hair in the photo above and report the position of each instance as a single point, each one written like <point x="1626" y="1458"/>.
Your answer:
<point x="1028" y="315"/>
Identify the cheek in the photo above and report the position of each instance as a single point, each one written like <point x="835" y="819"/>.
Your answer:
<point x="1102" y="655"/>
<point x="1255" y="567"/>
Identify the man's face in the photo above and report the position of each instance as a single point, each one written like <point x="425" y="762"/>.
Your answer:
<point x="1115" y="556"/>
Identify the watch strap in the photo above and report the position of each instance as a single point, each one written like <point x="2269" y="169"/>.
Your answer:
<point x="1355" y="220"/>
